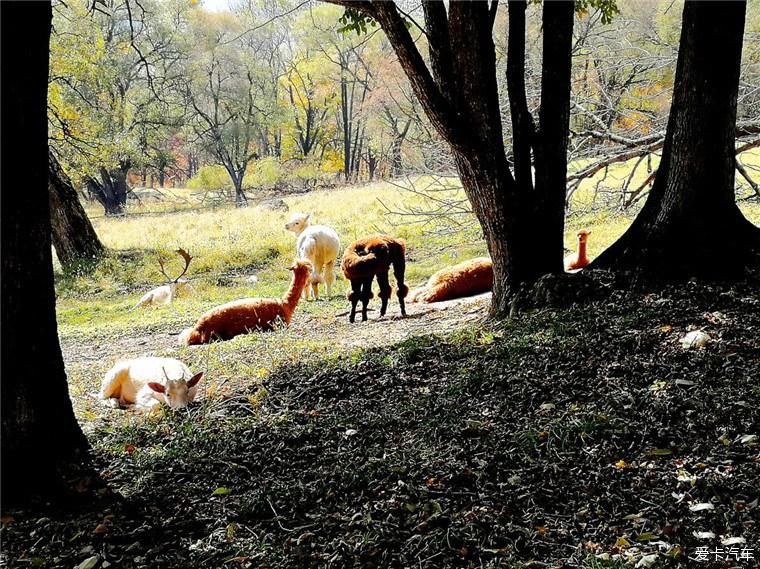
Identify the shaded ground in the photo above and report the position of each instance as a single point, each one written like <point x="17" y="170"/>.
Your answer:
<point x="561" y="438"/>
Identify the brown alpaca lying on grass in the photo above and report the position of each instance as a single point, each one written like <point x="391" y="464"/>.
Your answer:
<point x="372" y="257"/>
<point x="465" y="279"/>
<point x="249" y="314"/>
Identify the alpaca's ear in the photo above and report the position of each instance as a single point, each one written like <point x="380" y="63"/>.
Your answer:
<point x="157" y="387"/>
<point x="308" y="216"/>
<point x="195" y="379"/>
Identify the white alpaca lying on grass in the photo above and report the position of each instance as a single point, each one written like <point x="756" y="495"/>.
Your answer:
<point x="148" y="381"/>
<point x="318" y="244"/>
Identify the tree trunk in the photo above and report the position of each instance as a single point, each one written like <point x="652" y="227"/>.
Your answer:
<point x="74" y="238"/>
<point x="550" y="142"/>
<point x="111" y="190"/>
<point x="346" y="128"/>
<point x="690" y="224"/>
<point x="396" y="163"/>
<point x="241" y="200"/>
<point x="42" y="442"/>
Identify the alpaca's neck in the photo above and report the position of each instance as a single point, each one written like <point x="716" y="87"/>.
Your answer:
<point x="296" y="289"/>
<point x="582" y="251"/>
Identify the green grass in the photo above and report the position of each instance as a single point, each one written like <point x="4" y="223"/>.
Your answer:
<point x="231" y="244"/>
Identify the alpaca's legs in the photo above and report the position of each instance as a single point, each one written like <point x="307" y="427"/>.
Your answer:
<point x="314" y="290"/>
<point x="329" y="270"/>
<point x="366" y="295"/>
<point x="353" y="297"/>
<point x="399" y="268"/>
<point x="385" y="291"/>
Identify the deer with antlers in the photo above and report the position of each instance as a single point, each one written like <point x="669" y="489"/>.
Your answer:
<point x="165" y="294"/>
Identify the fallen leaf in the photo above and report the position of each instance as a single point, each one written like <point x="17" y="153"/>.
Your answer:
<point x="221" y="491"/>
<point x="748" y="439"/>
<point x="733" y="540"/>
<point x="701" y="507"/>
<point x="695" y="339"/>
<point x="647" y="560"/>
<point x="659" y="452"/>
<point x="89" y="563"/>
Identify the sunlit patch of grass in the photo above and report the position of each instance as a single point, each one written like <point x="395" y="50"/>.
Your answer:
<point x="229" y="245"/>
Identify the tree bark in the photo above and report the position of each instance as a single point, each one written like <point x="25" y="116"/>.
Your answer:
<point x="74" y="238"/>
<point x="690" y="224"/>
<point x="42" y="442"/>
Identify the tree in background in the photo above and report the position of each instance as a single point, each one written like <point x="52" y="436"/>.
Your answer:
<point x="42" y="442"/>
<point x="690" y="223"/>
<point x="75" y="241"/>
<point x="310" y="97"/>
<point x="229" y="93"/>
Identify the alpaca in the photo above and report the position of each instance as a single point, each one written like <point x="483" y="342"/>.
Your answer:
<point x="579" y="259"/>
<point x="145" y="382"/>
<point x="372" y="257"/>
<point x="249" y="314"/>
<point x="318" y="244"/>
<point x="465" y="279"/>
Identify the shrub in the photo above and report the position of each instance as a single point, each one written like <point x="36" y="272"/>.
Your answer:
<point x="265" y="173"/>
<point x="213" y="177"/>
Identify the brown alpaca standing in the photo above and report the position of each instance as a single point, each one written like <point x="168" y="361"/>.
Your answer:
<point x="372" y="257"/>
<point x="249" y="314"/>
<point x="465" y="279"/>
<point x="579" y="259"/>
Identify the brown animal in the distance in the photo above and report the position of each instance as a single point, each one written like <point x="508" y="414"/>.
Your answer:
<point x="465" y="279"/>
<point x="579" y="259"/>
<point x="372" y="257"/>
<point x="249" y="314"/>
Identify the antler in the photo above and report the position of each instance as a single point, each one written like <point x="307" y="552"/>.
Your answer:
<point x="182" y="253"/>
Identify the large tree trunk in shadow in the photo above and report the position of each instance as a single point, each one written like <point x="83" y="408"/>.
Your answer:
<point x="522" y="225"/>
<point x="74" y="238"/>
<point x="111" y="190"/>
<point x="42" y="444"/>
<point x="690" y="224"/>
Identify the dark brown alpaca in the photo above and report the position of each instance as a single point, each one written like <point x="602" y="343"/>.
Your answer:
<point x="372" y="257"/>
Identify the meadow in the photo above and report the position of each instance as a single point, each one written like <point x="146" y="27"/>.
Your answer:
<point x="564" y="435"/>
<point x="97" y="325"/>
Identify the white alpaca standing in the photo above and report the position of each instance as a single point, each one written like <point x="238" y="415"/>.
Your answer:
<point x="318" y="244"/>
<point x="145" y="382"/>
